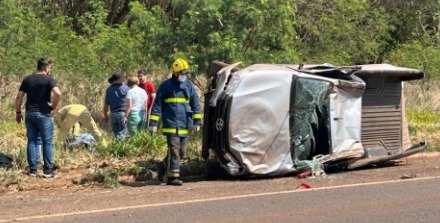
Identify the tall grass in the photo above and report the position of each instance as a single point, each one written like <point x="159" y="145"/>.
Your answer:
<point x="423" y="112"/>
<point x="152" y="147"/>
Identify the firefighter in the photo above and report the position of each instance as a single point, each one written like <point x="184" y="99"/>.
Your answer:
<point x="69" y="116"/>
<point x="177" y="104"/>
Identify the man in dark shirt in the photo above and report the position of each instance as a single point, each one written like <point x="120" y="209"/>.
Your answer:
<point x="38" y="88"/>
<point x="116" y="100"/>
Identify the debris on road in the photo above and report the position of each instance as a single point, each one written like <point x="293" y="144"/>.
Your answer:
<point x="407" y="176"/>
<point x="303" y="186"/>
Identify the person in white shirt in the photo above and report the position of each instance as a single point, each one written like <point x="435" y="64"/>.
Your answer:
<point x="135" y="113"/>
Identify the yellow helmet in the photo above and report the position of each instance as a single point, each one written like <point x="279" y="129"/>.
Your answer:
<point x="179" y="65"/>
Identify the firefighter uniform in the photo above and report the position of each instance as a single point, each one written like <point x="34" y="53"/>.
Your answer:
<point x="177" y="105"/>
<point x="69" y="116"/>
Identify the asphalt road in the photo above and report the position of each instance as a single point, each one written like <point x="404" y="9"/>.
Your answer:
<point x="415" y="200"/>
<point x="408" y="192"/>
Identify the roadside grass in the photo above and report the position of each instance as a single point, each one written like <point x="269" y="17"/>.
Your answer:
<point x="106" y="178"/>
<point x="134" y="157"/>
<point x="11" y="177"/>
<point x="425" y="125"/>
<point x="141" y="143"/>
<point x="13" y="142"/>
<point x="423" y="112"/>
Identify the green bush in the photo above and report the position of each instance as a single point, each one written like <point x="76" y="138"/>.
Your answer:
<point x="10" y="177"/>
<point x="419" y="54"/>
<point x="107" y="177"/>
<point x="141" y="145"/>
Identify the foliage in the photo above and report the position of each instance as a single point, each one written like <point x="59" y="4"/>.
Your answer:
<point x="419" y="54"/>
<point x="106" y="177"/>
<point x="341" y="32"/>
<point x="422" y="111"/>
<point x="195" y="144"/>
<point x="142" y="144"/>
<point x="427" y="117"/>
<point x="89" y="39"/>
<point x="10" y="177"/>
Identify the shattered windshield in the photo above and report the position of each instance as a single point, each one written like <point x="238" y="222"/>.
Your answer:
<point x="309" y="118"/>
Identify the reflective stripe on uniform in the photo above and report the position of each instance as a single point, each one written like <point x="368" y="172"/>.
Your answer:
<point x="172" y="173"/>
<point x="154" y="117"/>
<point x="176" y="100"/>
<point x="172" y="130"/>
<point x="197" y="116"/>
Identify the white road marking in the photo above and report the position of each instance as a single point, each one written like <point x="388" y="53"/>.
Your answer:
<point x="210" y="199"/>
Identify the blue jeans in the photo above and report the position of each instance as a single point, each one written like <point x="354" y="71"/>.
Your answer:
<point x="39" y="125"/>
<point x="118" y="125"/>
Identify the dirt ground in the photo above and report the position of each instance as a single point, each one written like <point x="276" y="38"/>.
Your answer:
<point x="72" y="180"/>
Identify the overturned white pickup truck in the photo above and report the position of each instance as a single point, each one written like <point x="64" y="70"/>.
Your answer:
<point x="267" y="119"/>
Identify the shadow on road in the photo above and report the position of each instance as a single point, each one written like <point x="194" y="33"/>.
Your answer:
<point x="198" y="171"/>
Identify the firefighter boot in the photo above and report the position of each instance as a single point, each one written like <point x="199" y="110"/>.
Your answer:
<point x="174" y="182"/>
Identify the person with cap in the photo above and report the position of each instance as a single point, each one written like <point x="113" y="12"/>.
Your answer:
<point x="69" y="116"/>
<point x="38" y="88"/>
<point x="178" y="104"/>
<point x="116" y="100"/>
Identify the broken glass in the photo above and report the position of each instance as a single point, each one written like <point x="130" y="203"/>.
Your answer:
<point x="309" y="112"/>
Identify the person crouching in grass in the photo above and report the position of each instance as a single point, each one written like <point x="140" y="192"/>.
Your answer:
<point x="137" y="102"/>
